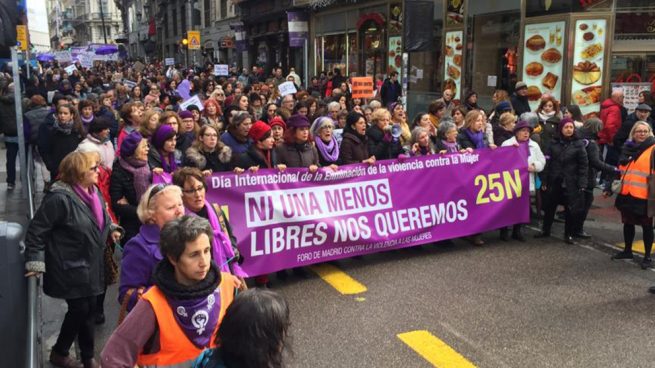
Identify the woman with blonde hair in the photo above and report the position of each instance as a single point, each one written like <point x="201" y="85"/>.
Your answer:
<point x="381" y="140"/>
<point x="149" y="123"/>
<point x="208" y="153"/>
<point x="159" y="205"/>
<point x="67" y="237"/>
<point x="398" y="116"/>
<point x="472" y="133"/>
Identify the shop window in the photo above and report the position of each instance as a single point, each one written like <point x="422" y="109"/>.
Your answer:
<point x="334" y="52"/>
<point x="353" y="52"/>
<point x="494" y="31"/>
<point x="373" y="40"/>
<point x="635" y="25"/>
<point x="633" y="68"/>
<point x="634" y="4"/>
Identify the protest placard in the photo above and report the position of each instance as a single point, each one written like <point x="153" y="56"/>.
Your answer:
<point x="287" y="88"/>
<point x="191" y="101"/>
<point x="169" y="61"/>
<point x="221" y="70"/>
<point x="362" y="87"/>
<point x="70" y="69"/>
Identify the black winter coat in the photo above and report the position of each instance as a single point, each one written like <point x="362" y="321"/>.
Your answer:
<point x="520" y="104"/>
<point x="8" y="115"/>
<point x="63" y="240"/>
<point x="55" y="145"/>
<point x="566" y="163"/>
<point x="464" y="141"/>
<point x="593" y="154"/>
<point x="353" y="149"/>
<point x="381" y="148"/>
<point x="297" y="155"/>
<point x="121" y="185"/>
<point x="253" y="157"/>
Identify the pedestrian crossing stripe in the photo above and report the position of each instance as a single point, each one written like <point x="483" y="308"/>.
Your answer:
<point x="338" y="279"/>
<point x="434" y="350"/>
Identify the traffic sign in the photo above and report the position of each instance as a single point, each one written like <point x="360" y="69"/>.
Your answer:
<point x="194" y="40"/>
<point x="21" y="37"/>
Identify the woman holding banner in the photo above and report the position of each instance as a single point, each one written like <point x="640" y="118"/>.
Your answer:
<point x="208" y="153"/>
<point x="297" y="151"/>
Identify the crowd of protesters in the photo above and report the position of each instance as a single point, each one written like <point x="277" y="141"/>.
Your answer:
<point x="101" y="133"/>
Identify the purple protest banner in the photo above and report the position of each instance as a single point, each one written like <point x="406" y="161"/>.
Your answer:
<point x="298" y="28"/>
<point x="296" y="218"/>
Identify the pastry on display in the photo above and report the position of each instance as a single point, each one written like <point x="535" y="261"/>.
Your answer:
<point x="588" y="36"/>
<point x="591" y="51"/>
<point x="451" y="85"/>
<point x="453" y="72"/>
<point x="551" y="55"/>
<point x="550" y="80"/>
<point x="534" y="93"/>
<point x="586" y="72"/>
<point x="535" y="43"/>
<point x="534" y="69"/>
<point x="588" y="95"/>
<point x="458" y="47"/>
<point x="449" y="51"/>
<point x="584" y="27"/>
<point x="457" y="59"/>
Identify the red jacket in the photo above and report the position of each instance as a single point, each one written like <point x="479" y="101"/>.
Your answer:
<point x="610" y="114"/>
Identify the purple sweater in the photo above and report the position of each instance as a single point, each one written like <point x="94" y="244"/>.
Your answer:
<point x="140" y="256"/>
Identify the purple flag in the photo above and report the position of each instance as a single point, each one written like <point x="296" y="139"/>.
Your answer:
<point x="298" y="28"/>
<point x="295" y="218"/>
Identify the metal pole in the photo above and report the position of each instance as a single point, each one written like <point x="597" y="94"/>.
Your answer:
<point x="306" y="62"/>
<point x="18" y="100"/>
<point x="102" y="19"/>
<point x="32" y="352"/>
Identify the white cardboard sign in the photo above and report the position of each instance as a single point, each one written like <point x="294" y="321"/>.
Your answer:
<point x="222" y="70"/>
<point x="287" y="88"/>
<point x="195" y="100"/>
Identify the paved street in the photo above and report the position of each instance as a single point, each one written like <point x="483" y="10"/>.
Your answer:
<point x="537" y="304"/>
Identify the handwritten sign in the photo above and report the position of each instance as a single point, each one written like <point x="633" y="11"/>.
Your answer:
<point x="362" y="87"/>
<point x="195" y="100"/>
<point x="287" y="88"/>
<point x="221" y="70"/>
<point x="169" y="61"/>
<point x="129" y="83"/>
<point x="70" y="69"/>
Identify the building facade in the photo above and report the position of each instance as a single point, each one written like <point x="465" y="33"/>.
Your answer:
<point x="218" y="37"/>
<point x="82" y="22"/>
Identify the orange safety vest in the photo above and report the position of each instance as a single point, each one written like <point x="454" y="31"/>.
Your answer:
<point x="175" y="349"/>
<point x="635" y="176"/>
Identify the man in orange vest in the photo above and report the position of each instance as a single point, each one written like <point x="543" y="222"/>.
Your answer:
<point x="179" y="316"/>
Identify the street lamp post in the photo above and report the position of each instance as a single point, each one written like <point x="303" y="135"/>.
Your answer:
<point x="185" y="42"/>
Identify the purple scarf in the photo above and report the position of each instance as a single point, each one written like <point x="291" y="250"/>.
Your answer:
<point x="169" y="166"/>
<point x="91" y="199"/>
<point x="198" y="317"/>
<point x="221" y="246"/>
<point x="86" y="121"/>
<point x="330" y="151"/>
<point x="476" y="138"/>
<point x="450" y="147"/>
<point x="140" y="171"/>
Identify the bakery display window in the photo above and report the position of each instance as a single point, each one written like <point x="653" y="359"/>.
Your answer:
<point x="543" y="60"/>
<point x="334" y="52"/>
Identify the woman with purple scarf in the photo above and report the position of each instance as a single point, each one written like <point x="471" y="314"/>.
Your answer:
<point x="67" y="238"/>
<point x="164" y="157"/>
<point x="328" y="148"/>
<point x="130" y="178"/>
<point x="224" y="246"/>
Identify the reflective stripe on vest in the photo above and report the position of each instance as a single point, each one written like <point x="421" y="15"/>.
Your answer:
<point x="175" y="349"/>
<point x="635" y="177"/>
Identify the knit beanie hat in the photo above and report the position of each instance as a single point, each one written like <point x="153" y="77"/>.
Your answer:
<point x="278" y="121"/>
<point x="163" y="133"/>
<point x="130" y="143"/>
<point x="186" y="114"/>
<point x="563" y="122"/>
<point x="99" y="124"/>
<point x="298" y="121"/>
<point x="258" y="130"/>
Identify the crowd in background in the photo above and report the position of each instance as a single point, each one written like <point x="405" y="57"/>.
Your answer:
<point x="99" y="134"/>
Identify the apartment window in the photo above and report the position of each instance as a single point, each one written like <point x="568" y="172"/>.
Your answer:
<point x="207" y="10"/>
<point x="223" y="9"/>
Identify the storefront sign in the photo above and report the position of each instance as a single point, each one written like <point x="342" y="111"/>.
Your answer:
<point x="631" y="93"/>
<point x="395" y="56"/>
<point x="455" y="12"/>
<point x="227" y="43"/>
<point x="294" y="218"/>
<point x="362" y="87"/>
<point x="453" y="62"/>
<point x="543" y="60"/>
<point x="298" y="28"/>
<point x="588" y="64"/>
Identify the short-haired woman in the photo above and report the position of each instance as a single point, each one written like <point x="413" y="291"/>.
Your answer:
<point x="381" y="143"/>
<point x="66" y="240"/>
<point x="159" y="205"/>
<point x="326" y="143"/>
